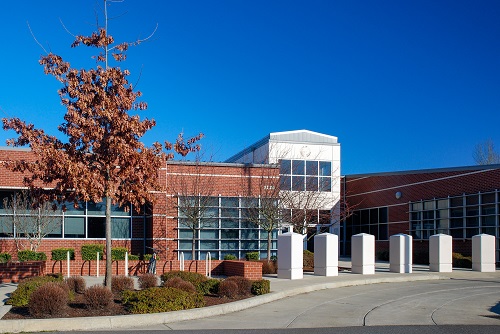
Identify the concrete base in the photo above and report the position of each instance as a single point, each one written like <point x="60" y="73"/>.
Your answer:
<point x="326" y="271"/>
<point x="364" y="270"/>
<point x="400" y="268"/>
<point x="441" y="267"/>
<point x="291" y="273"/>
<point x="484" y="267"/>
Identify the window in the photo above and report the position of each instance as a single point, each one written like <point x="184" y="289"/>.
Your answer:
<point x="309" y="175"/>
<point x="373" y="221"/>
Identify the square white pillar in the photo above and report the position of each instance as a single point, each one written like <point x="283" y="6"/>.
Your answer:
<point x="483" y="253"/>
<point x="363" y="254"/>
<point x="440" y="253"/>
<point x="326" y="254"/>
<point x="290" y="256"/>
<point x="400" y="253"/>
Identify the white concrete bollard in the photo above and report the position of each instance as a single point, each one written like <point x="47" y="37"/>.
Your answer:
<point x="400" y="253"/>
<point x="440" y="253"/>
<point x="363" y="254"/>
<point x="483" y="253"/>
<point x="326" y="254"/>
<point x="290" y="256"/>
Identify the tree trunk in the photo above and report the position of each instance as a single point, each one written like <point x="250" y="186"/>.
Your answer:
<point x="193" y="246"/>
<point x="109" y="267"/>
<point x="269" y="238"/>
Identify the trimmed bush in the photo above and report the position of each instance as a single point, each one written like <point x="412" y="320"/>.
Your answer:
<point x="179" y="283"/>
<point x="121" y="283"/>
<point x="132" y="257"/>
<point x="308" y="259"/>
<point x="195" y="278"/>
<point x="383" y="255"/>
<point x="261" y="287"/>
<point x="61" y="254"/>
<point x="21" y="296"/>
<point x="147" y="281"/>
<point x="5" y="257"/>
<point x="421" y="257"/>
<point x="156" y="300"/>
<point x="148" y="257"/>
<point x="244" y="284"/>
<point x="230" y="257"/>
<point x="76" y="284"/>
<point x="460" y="261"/>
<point x="252" y="256"/>
<point x="228" y="289"/>
<point x="269" y="267"/>
<point x="98" y="297"/>
<point x="89" y="252"/>
<point x="50" y="299"/>
<point x="28" y="255"/>
<point x="118" y="253"/>
<point x="210" y="286"/>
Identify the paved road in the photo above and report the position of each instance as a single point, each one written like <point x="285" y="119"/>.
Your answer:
<point x="443" y="302"/>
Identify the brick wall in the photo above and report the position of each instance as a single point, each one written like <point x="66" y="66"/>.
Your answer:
<point x="15" y="271"/>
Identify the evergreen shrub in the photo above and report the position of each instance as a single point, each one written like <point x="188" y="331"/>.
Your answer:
<point x="89" y="252"/>
<point x="252" y="256"/>
<point x="158" y="299"/>
<point x="21" y="296"/>
<point x="5" y="257"/>
<point x="261" y="287"/>
<point x="61" y="254"/>
<point x="29" y="255"/>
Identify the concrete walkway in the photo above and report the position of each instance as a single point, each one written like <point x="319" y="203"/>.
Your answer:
<point x="280" y="289"/>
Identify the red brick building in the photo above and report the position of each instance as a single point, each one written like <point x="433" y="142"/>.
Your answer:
<point x="461" y="202"/>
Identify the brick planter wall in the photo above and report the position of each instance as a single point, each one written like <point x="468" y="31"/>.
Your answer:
<point x="15" y="271"/>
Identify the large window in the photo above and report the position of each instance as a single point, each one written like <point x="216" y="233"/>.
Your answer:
<point x="85" y="220"/>
<point x="462" y="217"/>
<point x="225" y="231"/>
<point x="372" y="221"/>
<point x="306" y="175"/>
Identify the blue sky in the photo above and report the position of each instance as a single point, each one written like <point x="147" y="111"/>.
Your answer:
<point x="403" y="84"/>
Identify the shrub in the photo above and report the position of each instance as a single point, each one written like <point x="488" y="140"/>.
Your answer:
<point x="228" y="289"/>
<point x="210" y="286"/>
<point x="89" y="252"/>
<point x="230" y="257"/>
<point x="76" y="284"/>
<point x="5" y="257"/>
<point x="121" y="283"/>
<point x="155" y="300"/>
<point x="252" y="256"/>
<point x="118" y="253"/>
<point x="98" y="297"/>
<point x="148" y="257"/>
<point x="244" y="284"/>
<point x="28" y="255"/>
<point x="261" y="287"/>
<point x="460" y="261"/>
<point x="49" y="299"/>
<point x="269" y="267"/>
<point x="308" y="259"/>
<point x="61" y="254"/>
<point x="147" y="281"/>
<point x="21" y="296"/>
<point x="383" y="255"/>
<point x="421" y="257"/>
<point x="179" y="283"/>
<point x="195" y="278"/>
<point x="133" y="257"/>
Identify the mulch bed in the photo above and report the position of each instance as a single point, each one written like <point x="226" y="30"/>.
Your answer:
<point x="77" y="308"/>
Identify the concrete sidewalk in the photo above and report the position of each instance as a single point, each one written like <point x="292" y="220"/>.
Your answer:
<point x="280" y="288"/>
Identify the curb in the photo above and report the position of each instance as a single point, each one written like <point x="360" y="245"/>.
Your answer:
<point x="143" y="320"/>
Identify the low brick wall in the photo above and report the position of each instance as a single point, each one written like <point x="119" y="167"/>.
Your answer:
<point x="248" y="269"/>
<point x="15" y="271"/>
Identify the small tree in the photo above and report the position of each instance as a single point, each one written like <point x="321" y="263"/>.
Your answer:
<point x="195" y="188"/>
<point x="104" y="159"/>
<point x="485" y="153"/>
<point x="32" y="220"/>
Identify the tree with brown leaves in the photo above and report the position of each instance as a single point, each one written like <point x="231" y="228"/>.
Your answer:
<point x="103" y="158"/>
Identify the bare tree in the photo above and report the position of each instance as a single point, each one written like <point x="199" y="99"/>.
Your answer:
<point x="485" y="153"/>
<point x="195" y="188"/>
<point x="32" y="221"/>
